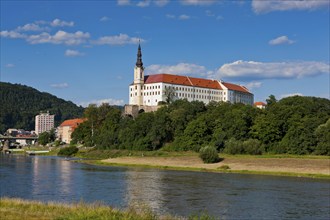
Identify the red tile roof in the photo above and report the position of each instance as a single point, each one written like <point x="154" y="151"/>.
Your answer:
<point x="235" y="87"/>
<point x="260" y="103"/>
<point x="182" y="80"/>
<point x="73" y="123"/>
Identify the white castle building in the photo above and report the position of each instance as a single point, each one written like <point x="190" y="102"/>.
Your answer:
<point x="149" y="90"/>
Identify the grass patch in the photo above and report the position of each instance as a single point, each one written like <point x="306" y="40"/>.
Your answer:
<point x="26" y="209"/>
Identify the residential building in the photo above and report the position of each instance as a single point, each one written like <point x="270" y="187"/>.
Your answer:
<point x="149" y="90"/>
<point x="66" y="129"/>
<point x="44" y="122"/>
<point x="260" y="105"/>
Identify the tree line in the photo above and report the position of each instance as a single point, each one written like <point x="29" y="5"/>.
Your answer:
<point x="293" y="125"/>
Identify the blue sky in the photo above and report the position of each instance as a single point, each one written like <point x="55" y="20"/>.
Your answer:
<point x="85" y="51"/>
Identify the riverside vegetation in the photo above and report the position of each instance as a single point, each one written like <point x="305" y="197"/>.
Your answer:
<point x="294" y="125"/>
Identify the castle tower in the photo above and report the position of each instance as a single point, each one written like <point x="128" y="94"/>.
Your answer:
<point x="138" y="79"/>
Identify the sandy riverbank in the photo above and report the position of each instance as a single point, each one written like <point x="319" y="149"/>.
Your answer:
<point x="277" y="166"/>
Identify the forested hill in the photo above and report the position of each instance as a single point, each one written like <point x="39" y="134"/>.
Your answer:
<point x="20" y="104"/>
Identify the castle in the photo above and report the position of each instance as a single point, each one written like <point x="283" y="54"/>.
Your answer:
<point x="146" y="92"/>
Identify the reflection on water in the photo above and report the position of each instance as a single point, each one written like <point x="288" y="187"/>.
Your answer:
<point x="230" y="196"/>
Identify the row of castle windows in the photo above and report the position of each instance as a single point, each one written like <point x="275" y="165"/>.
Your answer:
<point x="177" y="88"/>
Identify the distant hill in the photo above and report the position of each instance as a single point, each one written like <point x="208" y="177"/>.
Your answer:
<point x="20" y="104"/>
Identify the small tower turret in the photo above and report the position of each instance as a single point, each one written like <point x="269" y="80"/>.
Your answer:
<point x="137" y="95"/>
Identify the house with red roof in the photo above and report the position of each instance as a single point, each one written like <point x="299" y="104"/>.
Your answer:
<point x="67" y="127"/>
<point x="149" y="90"/>
<point x="260" y="105"/>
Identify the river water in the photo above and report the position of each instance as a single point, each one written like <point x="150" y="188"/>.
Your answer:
<point x="228" y="196"/>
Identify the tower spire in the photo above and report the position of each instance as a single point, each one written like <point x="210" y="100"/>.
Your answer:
<point x="139" y="57"/>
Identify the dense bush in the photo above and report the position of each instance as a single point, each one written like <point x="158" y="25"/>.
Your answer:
<point x="68" y="151"/>
<point x="253" y="146"/>
<point x="234" y="146"/>
<point x="209" y="154"/>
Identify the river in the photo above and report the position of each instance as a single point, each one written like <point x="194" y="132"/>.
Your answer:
<point x="183" y="193"/>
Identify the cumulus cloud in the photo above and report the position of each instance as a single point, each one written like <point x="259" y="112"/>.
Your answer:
<point x="142" y="3"/>
<point x="198" y="2"/>
<point x="10" y="65"/>
<point x="284" y="70"/>
<point x="123" y="2"/>
<point x="170" y="16"/>
<point x="73" y="53"/>
<point x="60" y="85"/>
<point x="161" y="3"/>
<point x="262" y="6"/>
<point x="105" y="18"/>
<point x="179" y="69"/>
<point x="31" y="27"/>
<point x="120" y="39"/>
<point x="110" y="101"/>
<point x="291" y="94"/>
<point x="12" y="34"/>
<point x="60" y="37"/>
<point x="184" y="17"/>
<point x="253" y="85"/>
<point x="59" y="23"/>
<point x="281" y="40"/>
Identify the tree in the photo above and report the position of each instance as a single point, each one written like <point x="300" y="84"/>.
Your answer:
<point x="271" y="100"/>
<point x="169" y="94"/>
<point x="47" y="137"/>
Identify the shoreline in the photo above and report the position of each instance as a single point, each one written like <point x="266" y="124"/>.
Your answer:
<point x="297" y="167"/>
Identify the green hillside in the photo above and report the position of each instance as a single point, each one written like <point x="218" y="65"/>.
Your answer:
<point x="20" y="104"/>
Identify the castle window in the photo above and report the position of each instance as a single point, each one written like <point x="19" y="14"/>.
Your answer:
<point x="158" y="87"/>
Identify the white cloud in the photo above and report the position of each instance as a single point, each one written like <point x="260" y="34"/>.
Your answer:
<point x="170" y="16"/>
<point x="123" y="2"/>
<point x="291" y="94"/>
<point x="73" y="53"/>
<point x="198" y="2"/>
<point x="60" y="85"/>
<point x="281" y="40"/>
<point x="120" y="39"/>
<point x="179" y="69"/>
<point x="144" y="3"/>
<point x="161" y="3"/>
<point x="101" y="101"/>
<point x="105" y="18"/>
<point x="12" y="34"/>
<point x="252" y="85"/>
<point x="10" y="65"/>
<point x="31" y="27"/>
<point x="60" y="37"/>
<point x="184" y="17"/>
<point x="58" y="23"/>
<point x="262" y="6"/>
<point x="283" y="70"/>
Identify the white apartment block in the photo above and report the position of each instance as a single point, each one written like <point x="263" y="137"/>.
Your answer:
<point x="44" y="122"/>
<point x="151" y="89"/>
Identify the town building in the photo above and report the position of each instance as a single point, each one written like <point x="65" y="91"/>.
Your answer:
<point x="65" y="130"/>
<point x="150" y="90"/>
<point x="260" y="105"/>
<point x="44" y="122"/>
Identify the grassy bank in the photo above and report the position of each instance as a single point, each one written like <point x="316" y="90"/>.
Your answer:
<point x="24" y="209"/>
<point x="281" y="165"/>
